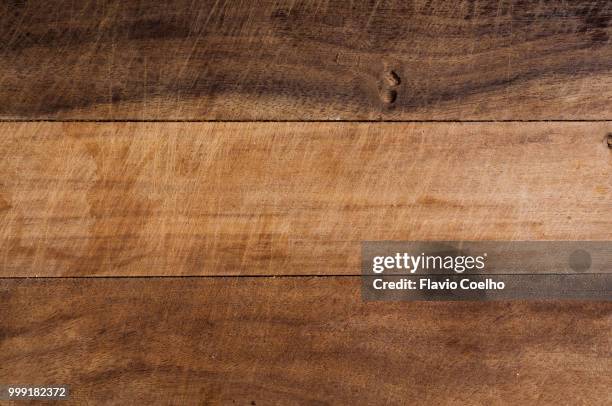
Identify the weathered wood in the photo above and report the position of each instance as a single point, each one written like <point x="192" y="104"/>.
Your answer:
<point x="179" y="59"/>
<point x="296" y="341"/>
<point x="286" y="198"/>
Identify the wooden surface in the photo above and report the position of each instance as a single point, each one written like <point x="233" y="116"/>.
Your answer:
<point x="264" y="220"/>
<point x="253" y="60"/>
<point x="286" y="198"/>
<point x="296" y="341"/>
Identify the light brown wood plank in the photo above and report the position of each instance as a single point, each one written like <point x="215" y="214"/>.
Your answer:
<point x="286" y="198"/>
<point x="357" y="60"/>
<point x="296" y="341"/>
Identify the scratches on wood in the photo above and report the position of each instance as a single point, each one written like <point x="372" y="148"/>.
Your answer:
<point x="296" y="341"/>
<point x="285" y="60"/>
<point x="286" y="198"/>
<point x="271" y="199"/>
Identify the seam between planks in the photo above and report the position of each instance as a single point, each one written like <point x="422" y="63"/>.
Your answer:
<point x="268" y="276"/>
<point x="301" y="121"/>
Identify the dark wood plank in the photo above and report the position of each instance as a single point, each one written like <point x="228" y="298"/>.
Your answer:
<point x="296" y="341"/>
<point x="388" y="59"/>
<point x="286" y="198"/>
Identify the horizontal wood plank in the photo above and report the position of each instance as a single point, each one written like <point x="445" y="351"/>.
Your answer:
<point x="363" y="60"/>
<point x="286" y="198"/>
<point x="296" y="341"/>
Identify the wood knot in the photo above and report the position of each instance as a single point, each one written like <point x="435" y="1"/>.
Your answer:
<point x="609" y="140"/>
<point x="388" y="96"/>
<point x="390" y="80"/>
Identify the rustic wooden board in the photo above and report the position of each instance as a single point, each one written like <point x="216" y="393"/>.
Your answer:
<point x="296" y="341"/>
<point x="179" y="59"/>
<point x="286" y="198"/>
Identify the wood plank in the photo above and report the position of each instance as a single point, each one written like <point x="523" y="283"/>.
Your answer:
<point x="270" y="59"/>
<point x="296" y="341"/>
<point x="286" y="198"/>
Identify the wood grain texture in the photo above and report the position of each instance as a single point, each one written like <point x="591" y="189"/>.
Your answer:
<point x="296" y="341"/>
<point x="305" y="60"/>
<point x="286" y="198"/>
